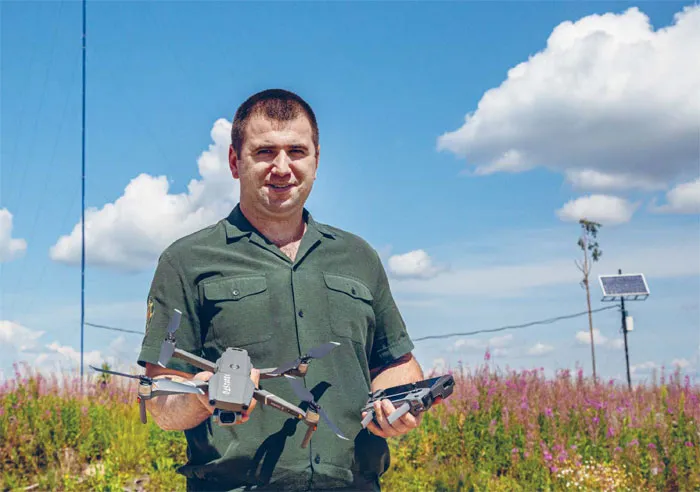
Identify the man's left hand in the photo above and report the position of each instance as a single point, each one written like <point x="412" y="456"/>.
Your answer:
<point x="382" y="410"/>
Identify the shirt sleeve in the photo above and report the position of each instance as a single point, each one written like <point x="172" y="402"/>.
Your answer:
<point x="169" y="291"/>
<point x="391" y="339"/>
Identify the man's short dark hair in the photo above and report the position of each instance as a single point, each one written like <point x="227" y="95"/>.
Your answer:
<point x="275" y="104"/>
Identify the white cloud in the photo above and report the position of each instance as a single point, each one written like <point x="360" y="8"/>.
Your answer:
<point x="683" y="199"/>
<point x="414" y="264"/>
<point x="680" y="363"/>
<point x="644" y="367"/>
<point x="467" y="343"/>
<point x="130" y="233"/>
<point x="677" y="258"/>
<point x="439" y="365"/>
<point x="61" y="358"/>
<point x="607" y="98"/>
<point x="10" y="248"/>
<point x="584" y="337"/>
<point x="17" y="338"/>
<point x="498" y="344"/>
<point x="600" y="340"/>
<point x="19" y="344"/>
<point x="605" y="209"/>
<point x="590" y="179"/>
<point x="617" y="344"/>
<point x="540" y="349"/>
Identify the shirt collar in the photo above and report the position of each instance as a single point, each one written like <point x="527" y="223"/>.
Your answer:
<point x="237" y="225"/>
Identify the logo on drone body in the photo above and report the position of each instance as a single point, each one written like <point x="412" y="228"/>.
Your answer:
<point x="226" y="389"/>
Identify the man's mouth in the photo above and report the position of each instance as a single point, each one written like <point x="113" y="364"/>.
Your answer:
<point x="280" y="187"/>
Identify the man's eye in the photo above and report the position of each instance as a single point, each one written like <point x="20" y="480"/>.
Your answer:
<point x="263" y="151"/>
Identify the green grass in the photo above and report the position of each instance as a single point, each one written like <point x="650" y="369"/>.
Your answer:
<point x="499" y="431"/>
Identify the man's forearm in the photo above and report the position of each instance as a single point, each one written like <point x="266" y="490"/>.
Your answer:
<point x="405" y="370"/>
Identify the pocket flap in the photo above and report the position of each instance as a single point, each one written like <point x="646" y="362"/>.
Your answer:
<point x="234" y="288"/>
<point x="353" y="288"/>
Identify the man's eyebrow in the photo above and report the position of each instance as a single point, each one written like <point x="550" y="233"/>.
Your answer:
<point x="269" y="145"/>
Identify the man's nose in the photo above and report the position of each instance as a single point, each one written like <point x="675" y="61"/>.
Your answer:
<point x="281" y="163"/>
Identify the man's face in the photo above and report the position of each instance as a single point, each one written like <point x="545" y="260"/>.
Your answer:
<point x="277" y="166"/>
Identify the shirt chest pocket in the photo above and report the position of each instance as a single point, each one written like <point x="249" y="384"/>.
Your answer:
<point x="238" y="309"/>
<point x="350" y="307"/>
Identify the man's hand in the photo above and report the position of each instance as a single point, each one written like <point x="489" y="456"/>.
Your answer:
<point x="382" y="410"/>
<point x="204" y="399"/>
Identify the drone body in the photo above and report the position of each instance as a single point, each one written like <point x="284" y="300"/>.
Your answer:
<point x="230" y="388"/>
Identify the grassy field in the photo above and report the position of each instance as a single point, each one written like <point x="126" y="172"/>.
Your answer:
<point x="501" y="430"/>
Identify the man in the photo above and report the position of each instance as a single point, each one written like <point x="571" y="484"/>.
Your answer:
<point x="273" y="281"/>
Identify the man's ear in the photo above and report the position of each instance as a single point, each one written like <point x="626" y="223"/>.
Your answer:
<point x="318" y="158"/>
<point x="233" y="162"/>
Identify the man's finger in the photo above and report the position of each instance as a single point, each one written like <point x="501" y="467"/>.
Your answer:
<point x="382" y="410"/>
<point x="255" y="377"/>
<point x="372" y="427"/>
<point x="204" y="399"/>
<point x="398" y="427"/>
<point x="410" y="420"/>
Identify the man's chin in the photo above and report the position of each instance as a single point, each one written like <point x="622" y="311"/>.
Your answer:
<point x="282" y="209"/>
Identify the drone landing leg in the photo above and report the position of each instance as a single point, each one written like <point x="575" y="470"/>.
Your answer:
<point x="312" y="421"/>
<point x="142" y="410"/>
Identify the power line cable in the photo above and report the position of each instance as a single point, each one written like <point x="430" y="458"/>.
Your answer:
<point x="113" y="328"/>
<point x="476" y="332"/>
<point x="512" y="327"/>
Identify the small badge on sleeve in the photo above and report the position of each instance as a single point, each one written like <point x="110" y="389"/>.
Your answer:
<point x="149" y="312"/>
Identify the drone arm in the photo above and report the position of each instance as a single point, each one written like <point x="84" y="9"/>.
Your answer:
<point x="267" y="398"/>
<point x="196" y="361"/>
<point x="269" y="372"/>
<point x="265" y="373"/>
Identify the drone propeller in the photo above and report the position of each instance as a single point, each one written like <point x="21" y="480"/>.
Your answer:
<point x="168" y="347"/>
<point x="160" y="385"/>
<point x="315" y="353"/>
<point x="170" y="386"/>
<point x="305" y="395"/>
<point x="143" y="379"/>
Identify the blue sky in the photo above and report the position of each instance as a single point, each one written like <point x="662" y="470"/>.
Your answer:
<point x="462" y="140"/>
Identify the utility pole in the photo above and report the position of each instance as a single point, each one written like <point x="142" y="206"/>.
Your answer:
<point x="632" y="287"/>
<point x="588" y="243"/>
<point x="82" y="221"/>
<point x="624" y="333"/>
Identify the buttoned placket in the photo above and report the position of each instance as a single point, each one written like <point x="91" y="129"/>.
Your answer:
<point x="310" y="241"/>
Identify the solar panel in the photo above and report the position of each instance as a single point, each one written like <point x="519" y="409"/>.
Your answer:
<point x="628" y="285"/>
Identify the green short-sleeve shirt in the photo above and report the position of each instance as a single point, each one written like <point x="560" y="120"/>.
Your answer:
<point x="236" y="289"/>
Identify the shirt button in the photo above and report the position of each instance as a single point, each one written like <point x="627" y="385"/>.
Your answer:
<point x="235" y="292"/>
<point x="301" y="313"/>
<point x="317" y="459"/>
<point x="353" y="291"/>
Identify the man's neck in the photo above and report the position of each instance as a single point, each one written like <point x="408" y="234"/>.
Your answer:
<point x="280" y="232"/>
